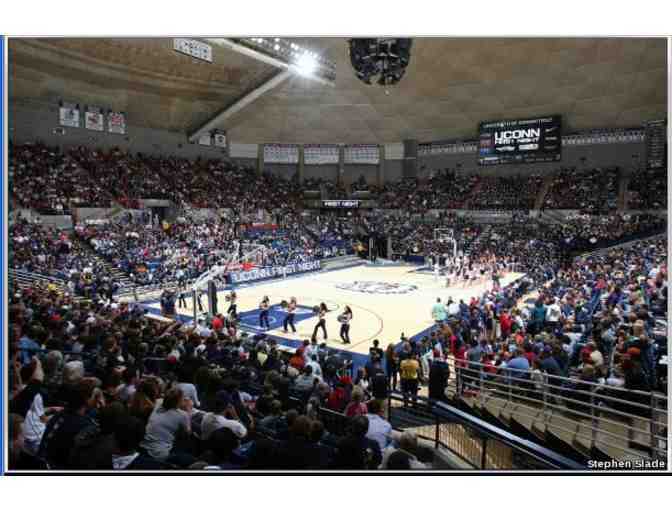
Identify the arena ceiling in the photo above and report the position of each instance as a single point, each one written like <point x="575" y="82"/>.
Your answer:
<point x="450" y="86"/>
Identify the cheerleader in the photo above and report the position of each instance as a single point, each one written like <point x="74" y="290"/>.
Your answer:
<point x="263" y="314"/>
<point x="449" y="275"/>
<point x="321" y="323"/>
<point x="289" y="318"/>
<point x="344" y="319"/>
<point x="233" y="308"/>
<point x="465" y="274"/>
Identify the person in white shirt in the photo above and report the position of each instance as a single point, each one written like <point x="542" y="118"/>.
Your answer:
<point x="225" y="415"/>
<point x="553" y="313"/>
<point x="380" y="429"/>
<point x="314" y="364"/>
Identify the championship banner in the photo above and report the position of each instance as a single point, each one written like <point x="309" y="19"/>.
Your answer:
<point x="367" y="154"/>
<point x="273" y="272"/>
<point x="205" y="139"/>
<point x="68" y="116"/>
<point x="93" y="119"/>
<point x="281" y="153"/>
<point x="320" y="154"/>
<point x="116" y="123"/>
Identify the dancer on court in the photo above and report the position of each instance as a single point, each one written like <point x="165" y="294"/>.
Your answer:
<point x="263" y="314"/>
<point x="345" y="319"/>
<point x="321" y="323"/>
<point x="289" y="318"/>
<point x="233" y="307"/>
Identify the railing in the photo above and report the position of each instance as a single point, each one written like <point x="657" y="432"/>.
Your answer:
<point x="597" y="415"/>
<point x="477" y="443"/>
<point x="19" y="273"/>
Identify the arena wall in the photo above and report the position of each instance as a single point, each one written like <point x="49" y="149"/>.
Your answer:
<point x="595" y="156"/>
<point x="31" y="122"/>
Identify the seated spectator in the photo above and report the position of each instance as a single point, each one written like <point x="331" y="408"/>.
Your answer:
<point x="408" y="444"/>
<point x="357" y="406"/>
<point x="129" y="432"/>
<point x="224" y="415"/>
<point x="220" y="447"/>
<point x="356" y="450"/>
<point x="170" y="422"/>
<point x="380" y="429"/>
<point x="58" y="439"/>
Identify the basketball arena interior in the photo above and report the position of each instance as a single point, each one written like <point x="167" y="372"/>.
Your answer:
<point x="284" y="254"/>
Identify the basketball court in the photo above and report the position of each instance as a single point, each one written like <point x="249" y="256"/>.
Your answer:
<point x="386" y="302"/>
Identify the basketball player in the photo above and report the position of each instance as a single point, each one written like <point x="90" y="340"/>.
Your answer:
<point x="345" y="319"/>
<point x="263" y="314"/>
<point x="289" y="318"/>
<point x="436" y="271"/>
<point x="321" y="323"/>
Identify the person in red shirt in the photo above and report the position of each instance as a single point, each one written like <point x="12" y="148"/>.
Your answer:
<point x="217" y="323"/>
<point x="297" y="361"/>
<point x="489" y="364"/>
<point x="338" y="399"/>
<point x="529" y="354"/>
<point x="505" y="323"/>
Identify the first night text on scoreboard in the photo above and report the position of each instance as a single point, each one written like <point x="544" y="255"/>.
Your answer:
<point x="343" y="204"/>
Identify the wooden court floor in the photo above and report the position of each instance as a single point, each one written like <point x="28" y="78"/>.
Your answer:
<point x="385" y="301"/>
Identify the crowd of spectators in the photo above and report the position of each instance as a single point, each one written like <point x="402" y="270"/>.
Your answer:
<point x="648" y="189"/>
<point x="596" y="321"/>
<point x="46" y="251"/>
<point x="444" y="190"/>
<point x="508" y="193"/>
<point x="97" y="385"/>
<point x="101" y="386"/>
<point x="50" y="181"/>
<point x="593" y="191"/>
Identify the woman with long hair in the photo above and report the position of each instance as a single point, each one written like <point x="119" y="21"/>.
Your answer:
<point x="345" y="319"/>
<point x="263" y="314"/>
<point x="321" y="323"/>
<point x="289" y="318"/>
<point x="167" y="424"/>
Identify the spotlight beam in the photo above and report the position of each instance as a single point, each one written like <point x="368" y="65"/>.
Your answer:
<point x="267" y="59"/>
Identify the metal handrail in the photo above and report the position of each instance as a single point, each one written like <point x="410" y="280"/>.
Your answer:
<point x="482" y="428"/>
<point x="579" y="413"/>
<point x="468" y="367"/>
<point x="615" y="411"/>
<point x="467" y="375"/>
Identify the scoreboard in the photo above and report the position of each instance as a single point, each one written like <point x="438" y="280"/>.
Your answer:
<point x="520" y="141"/>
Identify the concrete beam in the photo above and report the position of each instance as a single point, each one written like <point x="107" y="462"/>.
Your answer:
<point x="241" y="103"/>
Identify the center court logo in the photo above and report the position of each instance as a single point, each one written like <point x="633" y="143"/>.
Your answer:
<point x="377" y="287"/>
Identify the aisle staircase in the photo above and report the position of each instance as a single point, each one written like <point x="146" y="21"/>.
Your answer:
<point x="545" y="188"/>
<point x="25" y="279"/>
<point x="607" y="434"/>
<point x="473" y="194"/>
<point x="622" y="202"/>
